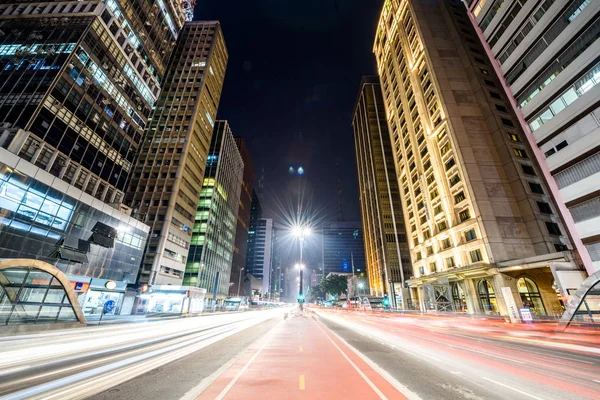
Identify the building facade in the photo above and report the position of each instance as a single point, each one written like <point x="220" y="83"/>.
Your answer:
<point x="482" y="224"/>
<point x="387" y="254"/>
<point x="78" y="81"/>
<point x="96" y="247"/>
<point x="343" y="248"/>
<point x="169" y="171"/>
<point x="255" y="217"/>
<point x="243" y="219"/>
<point x="211" y="252"/>
<point x="548" y="56"/>
<point x="262" y="260"/>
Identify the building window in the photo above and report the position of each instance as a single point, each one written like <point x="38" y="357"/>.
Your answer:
<point x="450" y="164"/>
<point x="513" y="137"/>
<point x="528" y="170"/>
<point x="419" y="255"/>
<point x="553" y="228"/>
<point x="429" y="250"/>
<point x="536" y="188"/>
<point x="433" y="267"/>
<point x="487" y="296"/>
<point x="544" y="207"/>
<point x="530" y="296"/>
<point x="442" y="226"/>
<point x="458" y="296"/>
<point x="450" y="262"/>
<point x="464" y="215"/>
<point x="454" y="180"/>
<point x="426" y="234"/>
<point x="470" y="235"/>
<point x="446" y="243"/>
<point x="476" y="255"/>
<point x="459" y="197"/>
<point x="520" y="153"/>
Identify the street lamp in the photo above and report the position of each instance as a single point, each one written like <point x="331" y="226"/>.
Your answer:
<point x="301" y="232"/>
<point x="300" y="267"/>
<point x="240" y="282"/>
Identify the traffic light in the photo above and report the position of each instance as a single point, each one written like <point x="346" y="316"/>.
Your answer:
<point x="386" y="301"/>
<point x="144" y="288"/>
<point x="301" y="298"/>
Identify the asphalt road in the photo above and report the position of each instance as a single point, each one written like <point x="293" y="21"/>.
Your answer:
<point x="318" y="354"/>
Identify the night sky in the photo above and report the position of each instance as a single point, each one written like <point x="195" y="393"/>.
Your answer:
<point x="292" y="79"/>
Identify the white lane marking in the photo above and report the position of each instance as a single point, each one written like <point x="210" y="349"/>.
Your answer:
<point x="399" y="387"/>
<point x="241" y="371"/>
<point x="512" y="388"/>
<point x="492" y="355"/>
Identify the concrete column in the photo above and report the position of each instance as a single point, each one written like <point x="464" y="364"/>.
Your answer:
<point x="472" y="297"/>
<point x="499" y="281"/>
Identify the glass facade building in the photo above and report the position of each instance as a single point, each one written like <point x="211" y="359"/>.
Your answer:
<point x="387" y="254"/>
<point x="213" y="235"/>
<point x="343" y="248"/>
<point x="89" y="241"/>
<point x="243" y="219"/>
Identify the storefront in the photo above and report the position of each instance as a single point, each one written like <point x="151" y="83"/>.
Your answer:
<point x="173" y="300"/>
<point x="100" y="292"/>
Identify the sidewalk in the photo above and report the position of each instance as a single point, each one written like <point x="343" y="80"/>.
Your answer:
<point x="300" y="358"/>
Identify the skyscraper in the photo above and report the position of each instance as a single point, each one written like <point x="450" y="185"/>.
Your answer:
<point x="213" y="236"/>
<point x="243" y="218"/>
<point x="262" y="257"/>
<point x="387" y="254"/>
<point x="78" y="80"/>
<point x="483" y="225"/>
<point x="547" y="53"/>
<point x="255" y="216"/>
<point x="170" y="168"/>
<point x="343" y="248"/>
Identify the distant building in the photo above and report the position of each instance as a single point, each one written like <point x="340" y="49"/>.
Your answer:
<point x="386" y="246"/>
<point x="240" y="250"/>
<point x="213" y="235"/>
<point x="262" y="255"/>
<point x="343" y="248"/>
<point x="255" y="216"/>
<point x="547" y="53"/>
<point x="170" y="168"/>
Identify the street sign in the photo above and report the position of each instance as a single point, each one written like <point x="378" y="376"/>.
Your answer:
<point x="509" y="299"/>
<point x="109" y="306"/>
<point x="526" y="315"/>
<point x="78" y="286"/>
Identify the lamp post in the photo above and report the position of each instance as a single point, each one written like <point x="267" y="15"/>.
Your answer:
<point x="240" y="282"/>
<point x="301" y="232"/>
<point x="300" y="291"/>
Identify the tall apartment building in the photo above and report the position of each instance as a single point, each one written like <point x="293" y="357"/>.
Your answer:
<point x="78" y="80"/>
<point x="547" y="53"/>
<point x="213" y="236"/>
<point x="387" y="255"/>
<point x="483" y="226"/>
<point x="342" y="247"/>
<point x="243" y="219"/>
<point x="169" y="171"/>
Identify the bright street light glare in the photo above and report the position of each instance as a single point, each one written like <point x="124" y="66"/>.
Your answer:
<point x="299" y="266"/>
<point x="297" y="231"/>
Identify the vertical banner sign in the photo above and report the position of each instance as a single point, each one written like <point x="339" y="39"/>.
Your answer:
<point x="513" y="311"/>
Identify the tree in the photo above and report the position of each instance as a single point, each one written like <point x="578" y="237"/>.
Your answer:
<point x="334" y="284"/>
<point x="315" y="294"/>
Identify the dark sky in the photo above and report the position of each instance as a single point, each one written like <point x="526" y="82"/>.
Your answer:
<point x="292" y="79"/>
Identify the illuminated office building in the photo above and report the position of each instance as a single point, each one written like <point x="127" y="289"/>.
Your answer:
<point x="387" y="255"/>
<point x="255" y="217"/>
<point x="342" y="248"/>
<point x="169" y="171"/>
<point x="548" y="55"/>
<point x="481" y="222"/>
<point x="243" y="219"/>
<point x="78" y="80"/>
<point x="213" y="236"/>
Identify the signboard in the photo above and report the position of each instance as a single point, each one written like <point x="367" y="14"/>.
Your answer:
<point x="526" y="315"/>
<point x="511" y="306"/>
<point x="109" y="306"/>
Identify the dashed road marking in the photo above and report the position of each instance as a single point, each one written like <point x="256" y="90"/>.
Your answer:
<point x="301" y="383"/>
